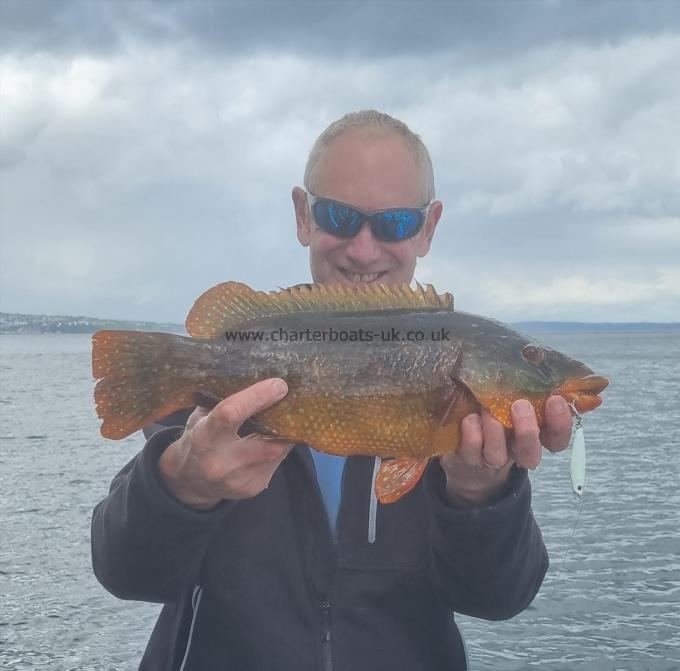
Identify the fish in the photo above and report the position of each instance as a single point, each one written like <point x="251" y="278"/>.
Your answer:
<point x="384" y="371"/>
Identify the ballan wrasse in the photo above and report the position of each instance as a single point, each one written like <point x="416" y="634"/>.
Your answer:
<point x="385" y="371"/>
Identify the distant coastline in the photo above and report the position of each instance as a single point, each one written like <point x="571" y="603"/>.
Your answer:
<point x="597" y="327"/>
<point x="24" y="323"/>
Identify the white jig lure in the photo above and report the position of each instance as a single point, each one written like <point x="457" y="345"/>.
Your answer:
<point x="577" y="466"/>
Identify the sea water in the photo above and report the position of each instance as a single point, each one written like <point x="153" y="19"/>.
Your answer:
<point x="611" y="599"/>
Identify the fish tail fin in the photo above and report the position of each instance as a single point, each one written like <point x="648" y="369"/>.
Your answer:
<point x="138" y="383"/>
<point x="397" y="477"/>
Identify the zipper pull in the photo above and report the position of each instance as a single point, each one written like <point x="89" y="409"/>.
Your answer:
<point x="326" y="621"/>
<point x="326" y="655"/>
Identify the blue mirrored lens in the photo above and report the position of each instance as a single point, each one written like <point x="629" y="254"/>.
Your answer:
<point x="345" y="221"/>
<point x="397" y="224"/>
<point x="337" y="218"/>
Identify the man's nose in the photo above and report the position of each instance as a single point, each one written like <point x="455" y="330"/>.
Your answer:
<point x="363" y="247"/>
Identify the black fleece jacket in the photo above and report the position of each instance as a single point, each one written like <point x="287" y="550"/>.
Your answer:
<point x="259" y="584"/>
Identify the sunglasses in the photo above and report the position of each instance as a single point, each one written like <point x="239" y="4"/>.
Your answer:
<point x="345" y="221"/>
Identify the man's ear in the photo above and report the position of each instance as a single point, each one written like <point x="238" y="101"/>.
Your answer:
<point x="424" y="238"/>
<point x="302" y="216"/>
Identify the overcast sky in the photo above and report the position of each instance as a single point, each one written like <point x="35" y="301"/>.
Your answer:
<point x="149" y="147"/>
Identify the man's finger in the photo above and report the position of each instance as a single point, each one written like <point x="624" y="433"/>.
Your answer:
<point x="471" y="440"/>
<point x="526" y="444"/>
<point x="198" y="414"/>
<point x="556" y="433"/>
<point x="495" y="450"/>
<point x="257" y="469"/>
<point x="252" y="450"/>
<point x="231" y="413"/>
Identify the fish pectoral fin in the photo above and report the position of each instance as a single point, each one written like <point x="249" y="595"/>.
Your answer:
<point x="206" y="399"/>
<point x="263" y="431"/>
<point x="397" y="477"/>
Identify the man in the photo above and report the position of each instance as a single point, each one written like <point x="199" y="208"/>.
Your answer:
<point x="231" y="533"/>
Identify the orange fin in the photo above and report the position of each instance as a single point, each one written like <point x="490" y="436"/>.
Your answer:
<point x="138" y="384"/>
<point x="233" y="304"/>
<point x="397" y="477"/>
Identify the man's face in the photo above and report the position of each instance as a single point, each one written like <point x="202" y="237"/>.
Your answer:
<point x="373" y="172"/>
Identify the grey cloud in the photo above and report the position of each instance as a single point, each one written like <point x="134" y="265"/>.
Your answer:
<point x="140" y="177"/>
<point x="480" y="28"/>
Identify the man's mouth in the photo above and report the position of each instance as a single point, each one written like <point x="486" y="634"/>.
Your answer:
<point x="361" y="278"/>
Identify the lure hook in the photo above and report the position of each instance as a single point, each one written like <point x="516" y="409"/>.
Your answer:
<point x="578" y="420"/>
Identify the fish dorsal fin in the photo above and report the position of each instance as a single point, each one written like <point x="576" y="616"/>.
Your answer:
<point x="232" y="304"/>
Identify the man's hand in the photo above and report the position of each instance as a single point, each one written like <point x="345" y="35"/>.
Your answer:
<point x="480" y="468"/>
<point x="210" y="462"/>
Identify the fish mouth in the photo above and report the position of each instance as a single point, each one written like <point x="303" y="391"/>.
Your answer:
<point x="583" y="392"/>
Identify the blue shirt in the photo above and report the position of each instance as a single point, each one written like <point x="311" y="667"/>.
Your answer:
<point x="329" y="475"/>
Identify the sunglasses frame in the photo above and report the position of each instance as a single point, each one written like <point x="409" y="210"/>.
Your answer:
<point x="369" y="216"/>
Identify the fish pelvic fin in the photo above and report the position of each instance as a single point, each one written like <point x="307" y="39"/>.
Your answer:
<point x="397" y="477"/>
<point x="232" y="304"/>
<point x="138" y="384"/>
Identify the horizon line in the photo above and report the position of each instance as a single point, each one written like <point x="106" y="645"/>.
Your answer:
<point x="173" y="323"/>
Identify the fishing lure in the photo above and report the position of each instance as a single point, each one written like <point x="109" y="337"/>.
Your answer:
<point x="577" y="467"/>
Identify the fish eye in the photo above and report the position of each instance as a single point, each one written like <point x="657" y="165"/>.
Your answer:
<point x="533" y="354"/>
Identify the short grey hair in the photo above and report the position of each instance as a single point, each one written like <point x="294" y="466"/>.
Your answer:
<point x="380" y="123"/>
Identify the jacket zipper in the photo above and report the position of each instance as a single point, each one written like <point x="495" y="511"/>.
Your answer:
<point x="326" y="656"/>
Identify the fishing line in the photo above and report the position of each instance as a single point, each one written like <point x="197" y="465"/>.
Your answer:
<point x="578" y="491"/>
<point x="573" y="532"/>
<point x="550" y="592"/>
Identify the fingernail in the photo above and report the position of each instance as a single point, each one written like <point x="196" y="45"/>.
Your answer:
<point x="279" y="386"/>
<point x="522" y="408"/>
<point x="558" y="406"/>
